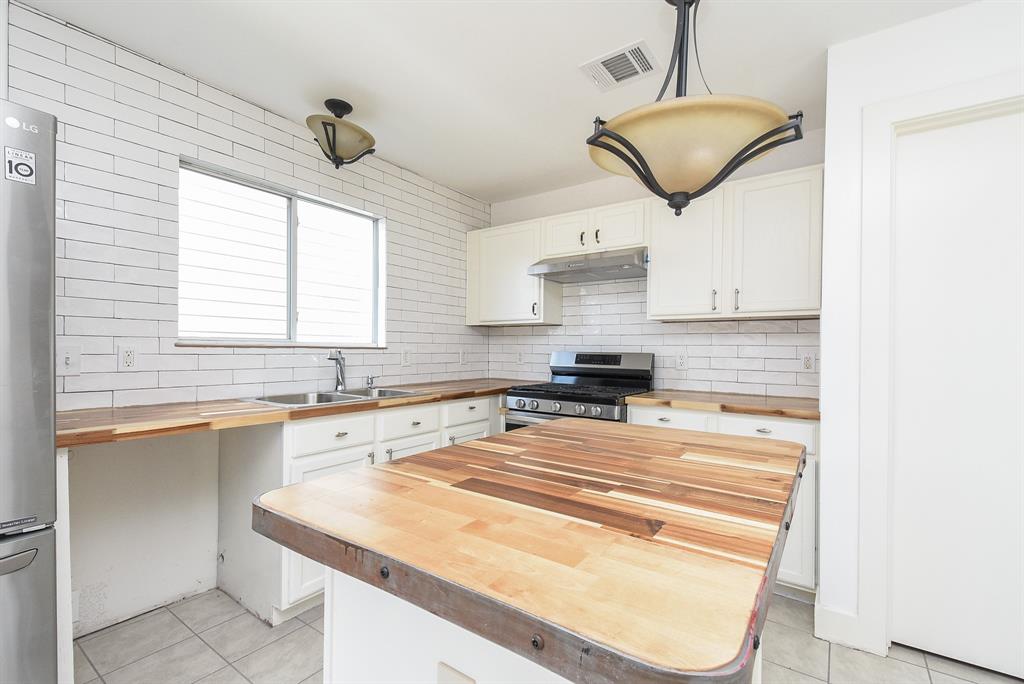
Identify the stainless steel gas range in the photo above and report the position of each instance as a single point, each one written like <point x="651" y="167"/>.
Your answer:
<point x="583" y="385"/>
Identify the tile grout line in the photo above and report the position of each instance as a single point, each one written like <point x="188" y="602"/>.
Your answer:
<point x="164" y="648"/>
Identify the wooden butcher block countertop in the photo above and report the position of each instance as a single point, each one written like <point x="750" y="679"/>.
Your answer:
<point x="95" y="426"/>
<point x="721" y="402"/>
<point x="605" y="552"/>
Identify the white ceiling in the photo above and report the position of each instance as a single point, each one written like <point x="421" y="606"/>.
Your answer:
<point x="485" y="97"/>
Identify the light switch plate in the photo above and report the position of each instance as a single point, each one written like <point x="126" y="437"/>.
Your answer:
<point x="69" y="359"/>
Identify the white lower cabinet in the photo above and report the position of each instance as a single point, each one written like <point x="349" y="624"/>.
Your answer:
<point x="799" y="559"/>
<point x="407" y="446"/>
<point x="466" y="433"/>
<point x="273" y="582"/>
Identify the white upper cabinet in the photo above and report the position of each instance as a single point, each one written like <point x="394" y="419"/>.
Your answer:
<point x="749" y="249"/>
<point x="776" y="242"/>
<point x="499" y="290"/>
<point x="616" y="226"/>
<point x="684" y="276"/>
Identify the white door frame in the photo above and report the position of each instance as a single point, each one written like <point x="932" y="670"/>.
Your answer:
<point x="881" y="123"/>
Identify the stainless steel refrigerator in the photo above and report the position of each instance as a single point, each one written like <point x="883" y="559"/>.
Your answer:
<point x="28" y="488"/>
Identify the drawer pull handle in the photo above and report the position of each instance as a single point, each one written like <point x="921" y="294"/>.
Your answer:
<point x="416" y="423"/>
<point x="581" y="237"/>
<point x="451" y="439"/>
<point x="663" y="419"/>
<point x="471" y="408"/>
<point x="764" y="431"/>
<point x="372" y="456"/>
<point x="339" y="435"/>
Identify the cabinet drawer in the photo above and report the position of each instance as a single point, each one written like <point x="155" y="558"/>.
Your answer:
<point x="417" y="420"/>
<point x="466" y="433"/>
<point x="462" y="412"/>
<point x="770" y="428"/>
<point x="667" y="417"/>
<point x="310" y="437"/>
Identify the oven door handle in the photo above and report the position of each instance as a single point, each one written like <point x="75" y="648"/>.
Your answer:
<point x="527" y="419"/>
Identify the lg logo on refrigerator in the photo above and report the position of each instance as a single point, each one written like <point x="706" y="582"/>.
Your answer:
<point x="14" y="123"/>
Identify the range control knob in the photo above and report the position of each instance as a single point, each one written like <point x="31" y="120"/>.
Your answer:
<point x="534" y="404"/>
<point x="595" y="411"/>
<point x="520" y="403"/>
<point x="556" y="407"/>
<point x="580" y="409"/>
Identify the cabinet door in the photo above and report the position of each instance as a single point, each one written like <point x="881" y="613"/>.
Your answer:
<point x="304" y="576"/>
<point x="618" y="226"/>
<point x="776" y="242"/>
<point x="400" y="448"/>
<point x="506" y="292"/>
<point x="681" y="419"/>
<point x="466" y="433"/>
<point x="798" y="566"/>
<point x="568" y="234"/>
<point x="684" y="276"/>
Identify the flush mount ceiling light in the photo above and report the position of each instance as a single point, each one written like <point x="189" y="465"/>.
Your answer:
<point x="683" y="148"/>
<point x="341" y="141"/>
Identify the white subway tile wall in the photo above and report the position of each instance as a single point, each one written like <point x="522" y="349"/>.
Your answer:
<point x="748" y="357"/>
<point x="124" y="123"/>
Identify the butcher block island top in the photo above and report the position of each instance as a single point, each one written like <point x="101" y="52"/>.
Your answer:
<point x="95" y="426"/>
<point x="632" y="553"/>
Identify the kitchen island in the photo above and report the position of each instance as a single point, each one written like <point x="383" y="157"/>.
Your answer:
<point x="577" y="550"/>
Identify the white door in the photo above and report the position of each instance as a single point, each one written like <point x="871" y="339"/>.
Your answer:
<point x="685" y="273"/>
<point x="466" y="433"/>
<point x="304" y="576"/>
<point x="568" y="234"/>
<point x="618" y="226"/>
<point x="400" y="448"/>
<point x="943" y="241"/>
<point x="776" y="242"/>
<point x="507" y="292"/>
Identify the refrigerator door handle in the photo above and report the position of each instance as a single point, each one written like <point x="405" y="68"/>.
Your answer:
<point x="18" y="561"/>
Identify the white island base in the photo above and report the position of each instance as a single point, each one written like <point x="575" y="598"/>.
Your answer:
<point x="373" y="637"/>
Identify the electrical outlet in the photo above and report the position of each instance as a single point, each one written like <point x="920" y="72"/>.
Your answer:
<point x="808" y="361"/>
<point x="69" y="359"/>
<point x="681" y="361"/>
<point x="406" y="357"/>
<point x="462" y="357"/>
<point x="519" y="358"/>
<point x="125" y="357"/>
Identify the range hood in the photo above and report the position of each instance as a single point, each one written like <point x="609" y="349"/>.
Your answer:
<point x="587" y="268"/>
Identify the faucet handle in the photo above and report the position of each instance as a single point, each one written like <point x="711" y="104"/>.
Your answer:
<point x="370" y="379"/>
<point x="334" y="355"/>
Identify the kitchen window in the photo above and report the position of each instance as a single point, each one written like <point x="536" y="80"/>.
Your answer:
<point x="261" y="265"/>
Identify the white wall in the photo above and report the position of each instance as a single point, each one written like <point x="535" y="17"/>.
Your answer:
<point x="143" y="525"/>
<point x="125" y="122"/>
<point x="953" y="47"/>
<point x="810" y="150"/>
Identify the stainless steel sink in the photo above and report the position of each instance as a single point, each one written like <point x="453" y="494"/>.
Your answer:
<point x="309" y="398"/>
<point x="378" y="393"/>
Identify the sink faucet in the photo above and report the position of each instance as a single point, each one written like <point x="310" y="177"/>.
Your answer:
<point x="339" y="366"/>
<point x="370" y="379"/>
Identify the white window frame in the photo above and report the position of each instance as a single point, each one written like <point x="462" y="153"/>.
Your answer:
<point x="293" y="196"/>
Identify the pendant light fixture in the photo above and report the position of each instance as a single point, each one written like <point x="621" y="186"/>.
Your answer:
<point x="341" y="141"/>
<point x="684" y="147"/>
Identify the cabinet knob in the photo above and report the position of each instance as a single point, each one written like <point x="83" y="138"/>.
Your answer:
<point x="416" y="423"/>
<point x="339" y="435"/>
<point x="664" y="419"/>
<point x="764" y="431"/>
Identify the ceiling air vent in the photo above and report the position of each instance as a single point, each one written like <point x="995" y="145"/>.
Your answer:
<point x="628" y="64"/>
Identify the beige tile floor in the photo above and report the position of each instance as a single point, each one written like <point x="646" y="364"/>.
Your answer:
<point x="208" y="638"/>
<point x="211" y="639"/>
